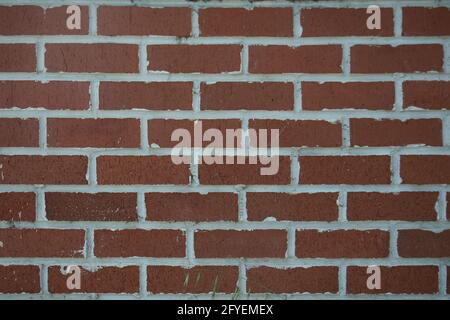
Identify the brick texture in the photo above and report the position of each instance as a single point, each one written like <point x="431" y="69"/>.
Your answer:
<point x="356" y="118"/>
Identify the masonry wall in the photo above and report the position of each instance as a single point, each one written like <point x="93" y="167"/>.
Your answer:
<point x="86" y="177"/>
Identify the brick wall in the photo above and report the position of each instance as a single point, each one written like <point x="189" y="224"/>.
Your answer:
<point x="86" y="177"/>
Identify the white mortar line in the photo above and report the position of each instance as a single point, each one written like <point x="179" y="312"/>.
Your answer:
<point x="342" y="206"/>
<point x="143" y="59"/>
<point x="222" y="77"/>
<point x="446" y="131"/>
<point x="297" y="22"/>
<point x="244" y="59"/>
<point x="195" y="28"/>
<point x="346" y="64"/>
<point x="41" y="215"/>
<point x="342" y="280"/>
<point x="398" y="19"/>
<point x="43" y="279"/>
<point x="393" y="241"/>
<point x="89" y="243"/>
<point x="291" y="242"/>
<point x="242" y="205"/>
<point x="295" y="170"/>
<point x="42" y="133"/>
<point x="190" y="245"/>
<point x="40" y="57"/>
<point x="143" y="280"/>
<point x="441" y="206"/>
<point x="91" y="174"/>
<point x="92" y="18"/>
<point x="141" y="207"/>
<point x="94" y="93"/>
<point x="398" y="104"/>
<point x="144" y="135"/>
<point x="242" y="281"/>
<point x="443" y="280"/>
<point x="196" y="96"/>
<point x="345" y="127"/>
<point x="297" y="96"/>
<point x="395" y="169"/>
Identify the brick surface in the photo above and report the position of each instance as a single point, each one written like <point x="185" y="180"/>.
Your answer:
<point x="54" y="95"/>
<point x="378" y="133"/>
<point x="304" y="59"/>
<point x="93" y="133"/>
<point x="425" y="169"/>
<point x="403" y="58"/>
<point x="409" y="206"/>
<point x="192" y="207"/>
<point x="350" y="95"/>
<point x="426" y="94"/>
<point x="45" y="243"/>
<point x="248" y="96"/>
<point x="201" y="279"/>
<point x="342" y="244"/>
<point x="148" y="96"/>
<point x="331" y="22"/>
<point x="294" y="280"/>
<point x="270" y="22"/>
<point x="426" y="21"/>
<point x="104" y="57"/>
<point x="245" y="244"/>
<point x="292" y="207"/>
<point x="19" y="279"/>
<point x="345" y="170"/>
<point x="423" y="244"/>
<point x="139" y="243"/>
<point x="195" y="58"/>
<point x="17" y="58"/>
<point x="35" y="20"/>
<point x="396" y="280"/>
<point x="19" y="133"/>
<point x="125" y="20"/>
<point x="17" y="206"/>
<point x="91" y="206"/>
<point x="101" y="280"/>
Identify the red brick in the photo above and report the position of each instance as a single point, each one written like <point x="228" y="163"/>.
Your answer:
<point x="426" y="94"/>
<point x="160" y="130"/>
<point x="380" y="133"/>
<point x="247" y="95"/>
<point x="99" y="57"/>
<point x="342" y="244"/>
<point x="19" y="132"/>
<point x="192" y="207"/>
<point x="240" y="244"/>
<point x="17" y="58"/>
<point x="396" y="280"/>
<point x="98" y="280"/>
<point x="19" y="279"/>
<point x="345" y="170"/>
<point x="34" y="20"/>
<point x="43" y="169"/>
<point x="292" y="207"/>
<point x="302" y="133"/>
<point x="140" y="21"/>
<point x="448" y="206"/>
<point x="150" y="96"/>
<point x="406" y="206"/>
<point x="94" y="133"/>
<point x="52" y="95"/>
<point x="140" y="170"/>
<point x="91" y="206"/>
<point x="247" y="173"/>
<point x="423" y="244"/>
<point x="199" y="279"/>
<point x="342" y="22"/>
<point x="194" y="58"/>
<point x="42" y="243"/>
<point x="426" y="21"/>
<point x="425" y="169"/>
<point x="403" y="58"/>
<point x="270" y="22"/>
<point x="303" y="59"/>
<point x="17" y="206"/>
<point x="293" y="280"/>
<point x="139" y="243"/>
<point x="349" y="95"/>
